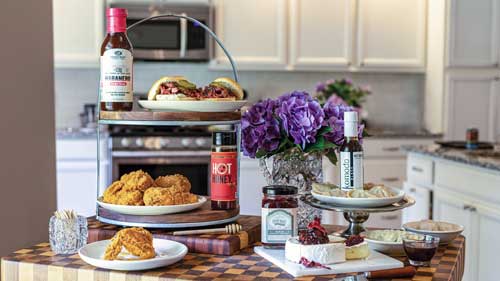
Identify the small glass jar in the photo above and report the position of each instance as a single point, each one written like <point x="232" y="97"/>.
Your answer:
<point x="67" y="236"/>
<point x="279" y="215"/>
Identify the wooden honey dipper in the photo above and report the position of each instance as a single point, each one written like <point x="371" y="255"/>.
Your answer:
<point x="229" y="229"/>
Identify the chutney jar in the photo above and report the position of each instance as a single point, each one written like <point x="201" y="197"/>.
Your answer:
<point x="299" y="169"/>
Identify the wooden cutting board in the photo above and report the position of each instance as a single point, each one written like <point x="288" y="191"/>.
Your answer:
<point x="218" y="244"/>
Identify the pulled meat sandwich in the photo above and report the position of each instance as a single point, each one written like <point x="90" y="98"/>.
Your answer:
<point x="222" y="89"/>
<point x="173" y="88"/>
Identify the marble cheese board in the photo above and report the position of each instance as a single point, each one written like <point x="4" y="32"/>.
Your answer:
<point x="376" y="261"/>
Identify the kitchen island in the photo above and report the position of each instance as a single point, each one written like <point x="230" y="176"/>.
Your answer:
<point x="459" y="186"/>
<point x="40" y="263"/>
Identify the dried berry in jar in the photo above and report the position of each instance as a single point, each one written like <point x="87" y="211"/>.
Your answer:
<point x="279" y="215"/>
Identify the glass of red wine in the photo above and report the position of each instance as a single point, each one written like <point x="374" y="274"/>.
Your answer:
<point x="420" y="250"/>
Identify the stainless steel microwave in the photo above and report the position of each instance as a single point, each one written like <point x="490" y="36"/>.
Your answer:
<point x="168" y="38"/>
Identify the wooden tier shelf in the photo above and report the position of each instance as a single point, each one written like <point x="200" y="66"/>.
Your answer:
<point x="143" y="115"/>
<point x="198" y="217"/>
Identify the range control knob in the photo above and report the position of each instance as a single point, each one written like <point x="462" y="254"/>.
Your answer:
<point x="200" y="142"/>
<point x="139" y="142"/>
<point x="186" y="142"/>
<point x="124" y="142"/>
<point x="164" y="142"/>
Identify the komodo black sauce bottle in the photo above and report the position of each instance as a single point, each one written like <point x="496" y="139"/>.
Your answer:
<point x="351" y="154"/>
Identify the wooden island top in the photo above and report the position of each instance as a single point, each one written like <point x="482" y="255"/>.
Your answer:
<point x="40" y="263"/>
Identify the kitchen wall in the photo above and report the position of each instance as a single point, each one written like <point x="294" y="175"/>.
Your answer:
<point x="396" y="102"/>
<point x="27" y="169"/>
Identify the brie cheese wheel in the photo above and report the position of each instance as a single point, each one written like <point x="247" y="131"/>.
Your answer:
<point x="359" y="251"/>
<point x="333" y="252"/>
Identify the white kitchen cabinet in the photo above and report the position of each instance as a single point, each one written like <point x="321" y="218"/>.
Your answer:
<point x="488" y="224"/>
<point x="421" y="209"/>
<point x="254" y="32"/>
<point x="76" y="168"/>
<point x="391" y="34"/>
<point x="473" y="103"/>
<point x="321" y="33"/>
<point x="78" y="32"/>
<point x="390" y="172"/>
<point x="456" y="209"/>
<point x="251" y="183"/>
<point x="473" y="33"/>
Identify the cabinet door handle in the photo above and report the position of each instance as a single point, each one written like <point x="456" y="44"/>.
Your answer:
<point x="390" y="148"/>
<point x="467" y="207"/>
<point x="391" y="179"/>
<point x="417" y="169"/>
<point x="472" y="209"/>
<point x="389" y="217"/>
<point x="413" y="190"/>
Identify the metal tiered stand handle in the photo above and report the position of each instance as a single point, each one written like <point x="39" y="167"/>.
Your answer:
<point x="232" y="119"/>
<point x="231" y="61"/>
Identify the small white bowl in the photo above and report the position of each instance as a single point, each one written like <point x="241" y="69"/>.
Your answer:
<point x="390" y="248"/>
<point x="445" y="237"/>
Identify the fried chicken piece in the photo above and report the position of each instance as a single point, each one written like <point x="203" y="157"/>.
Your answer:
<point x="136" y="240"/>
<point x="131" y="198"/>
<point x="117" y="193"/>
<point x="176" y="180"/>
<point x="189" y="198"/>
<point x="161" y="196"/>
<point x="112" y="193"/>
<point x="158" y="196"/>
<point x="137" y="180"/>
<point x="113" y="249"/>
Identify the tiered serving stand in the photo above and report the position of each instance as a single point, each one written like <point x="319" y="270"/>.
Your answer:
<point x="202" y="216"/>
<point x="356" y="216"/>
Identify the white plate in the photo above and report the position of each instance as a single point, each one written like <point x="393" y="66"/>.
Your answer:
<point x="151" y="210"/>
<point x="192" y="106"/>
<point x="361" y="202"/>
<point x="167" y="252"/>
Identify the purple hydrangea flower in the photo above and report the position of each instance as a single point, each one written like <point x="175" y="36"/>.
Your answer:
<point x="334" y="118"/>
<point x="260" y="129"/>
<point x="336" y="100"/>
<point x="301" y="117"/>
<point x="320" y="87"/>
<point x="348" y="81"/>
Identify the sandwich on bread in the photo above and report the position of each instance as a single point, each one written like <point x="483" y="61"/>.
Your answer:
<point x="173" y="88"/>
<point x="222" y="89"/>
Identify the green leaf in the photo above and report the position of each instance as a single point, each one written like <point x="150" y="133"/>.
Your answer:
<point x="332" y="156"/>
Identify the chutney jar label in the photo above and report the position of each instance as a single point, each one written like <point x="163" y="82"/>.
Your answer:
<point x="224" y="176"/>
<point x="278" y="225"/>
<point x="116" y="76"/>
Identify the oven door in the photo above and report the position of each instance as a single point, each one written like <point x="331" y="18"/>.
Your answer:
<point x="168" y="38"/>
<point x="192" y="164"/>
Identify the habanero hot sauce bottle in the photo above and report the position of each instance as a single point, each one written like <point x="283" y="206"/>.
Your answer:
<point x="116" y="84"/>
<point x="224" y="171"/>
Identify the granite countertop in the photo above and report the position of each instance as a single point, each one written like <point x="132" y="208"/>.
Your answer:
<point x="489" y="159"/>
<point x="402" y="133"/>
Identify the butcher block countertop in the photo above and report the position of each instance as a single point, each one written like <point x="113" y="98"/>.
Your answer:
<point x="40" y="263"/>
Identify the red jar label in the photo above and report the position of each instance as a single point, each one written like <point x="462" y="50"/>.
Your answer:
<point x="224" y="176"/>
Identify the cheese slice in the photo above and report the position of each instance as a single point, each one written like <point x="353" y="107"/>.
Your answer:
<point x="359" y="251"/>
<point x="333" y="252"/>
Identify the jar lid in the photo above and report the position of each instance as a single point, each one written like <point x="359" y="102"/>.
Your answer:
<point x="279" y="190"/>
<point x="224" y="138"/>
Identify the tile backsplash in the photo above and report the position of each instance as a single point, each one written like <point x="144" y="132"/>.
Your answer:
<point x="396" y="103"/>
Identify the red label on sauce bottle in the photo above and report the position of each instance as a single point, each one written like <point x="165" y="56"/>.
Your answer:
<point x="224" y="176"/>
